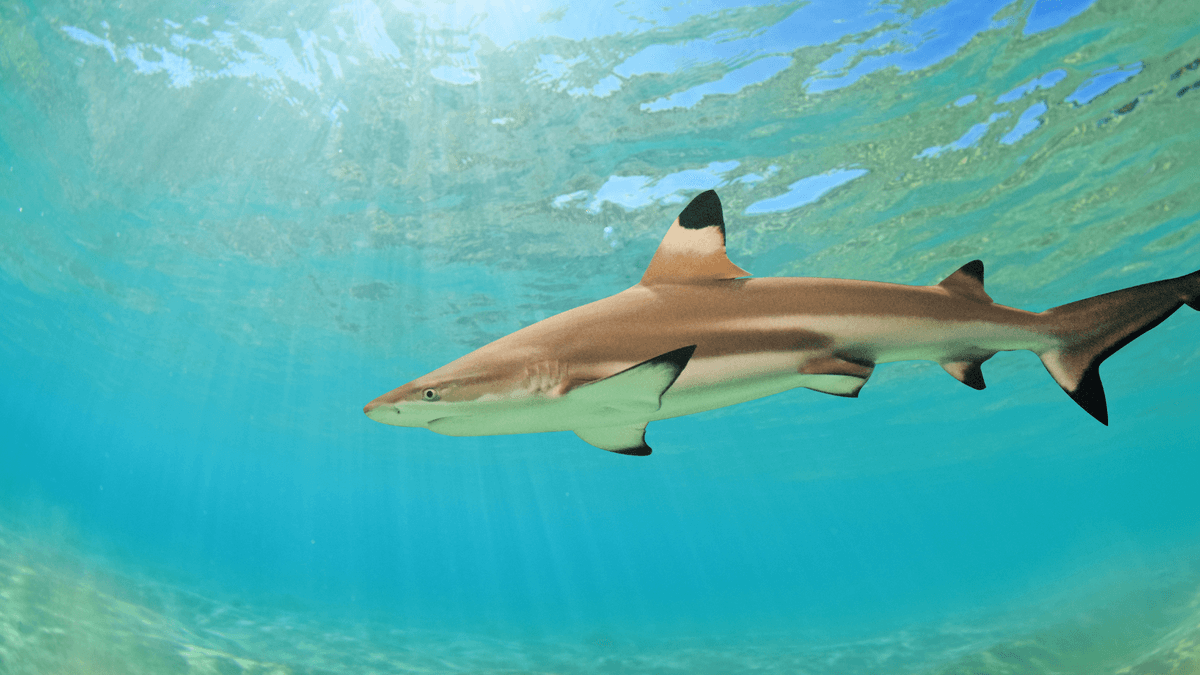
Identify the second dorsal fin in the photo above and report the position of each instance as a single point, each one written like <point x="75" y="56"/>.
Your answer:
<point x="967" y="281"/>
<point x="694" y="247"/>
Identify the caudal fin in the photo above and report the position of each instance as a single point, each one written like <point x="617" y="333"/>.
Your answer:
<point x="1089" y="331"/>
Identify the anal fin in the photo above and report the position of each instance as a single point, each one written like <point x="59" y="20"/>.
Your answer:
<point x="626" y="440"/>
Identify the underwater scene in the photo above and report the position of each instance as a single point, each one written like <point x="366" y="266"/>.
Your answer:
<point x="227" y="226"/>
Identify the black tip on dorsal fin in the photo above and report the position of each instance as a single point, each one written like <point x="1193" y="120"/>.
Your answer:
<point x="704" y="211"/>
<point x="967" y="281"/>
<point x="973" y="269"/>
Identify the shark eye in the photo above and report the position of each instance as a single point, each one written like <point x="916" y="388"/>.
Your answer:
<point x="431" y="395"/>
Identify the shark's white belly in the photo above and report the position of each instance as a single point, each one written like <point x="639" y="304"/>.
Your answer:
<point x="707" y="384"/>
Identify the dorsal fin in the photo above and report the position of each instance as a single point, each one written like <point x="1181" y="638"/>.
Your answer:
<point x="967" y="281"/>
<point x="694" y="248"/>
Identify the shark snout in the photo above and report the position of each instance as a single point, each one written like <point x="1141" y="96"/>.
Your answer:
<point x="383" y="410"/>
<point x="390" y="411"/>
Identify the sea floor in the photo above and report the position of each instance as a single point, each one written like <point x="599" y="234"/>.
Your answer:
<point x="63" y="613"/>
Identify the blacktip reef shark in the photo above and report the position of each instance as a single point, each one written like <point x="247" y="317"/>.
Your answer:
<point x="695" y="334"/>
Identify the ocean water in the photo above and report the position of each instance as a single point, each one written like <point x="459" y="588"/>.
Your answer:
<point x="228" y="225"/>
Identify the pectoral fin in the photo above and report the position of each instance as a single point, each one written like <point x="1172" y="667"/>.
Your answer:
<point x="638" y="389"/>
<point x="627" y="440"/>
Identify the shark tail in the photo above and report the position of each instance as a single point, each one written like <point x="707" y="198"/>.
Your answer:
<point x="1089" y="331"/>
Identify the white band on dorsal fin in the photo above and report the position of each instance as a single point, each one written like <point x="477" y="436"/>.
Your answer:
<point x="694" y="250"/>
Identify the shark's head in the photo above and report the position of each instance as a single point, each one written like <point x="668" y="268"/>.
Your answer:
<point x="576" y="371"/>
<point x="415" y="404"/>
<point x="469" y="396"/>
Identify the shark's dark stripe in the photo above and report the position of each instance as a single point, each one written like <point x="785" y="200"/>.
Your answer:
<point x="704" y="211"/>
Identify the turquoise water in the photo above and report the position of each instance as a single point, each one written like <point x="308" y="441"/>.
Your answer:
<point x="229" y="225"/>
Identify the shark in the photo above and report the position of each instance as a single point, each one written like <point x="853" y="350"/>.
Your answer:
<point x="697" y="332"/>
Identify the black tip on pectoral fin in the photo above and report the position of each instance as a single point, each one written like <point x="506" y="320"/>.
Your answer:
<point x="641" y="451"/>
<point x="703" y="211"/>
<point x="1090" y="395"/>
<point x="678" y="358"/>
